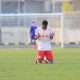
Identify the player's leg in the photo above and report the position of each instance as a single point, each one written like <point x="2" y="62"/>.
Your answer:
<point x="31" y="38"/>
<point x="33" y="45"/>
<point x="33" y="42"/>
<point x="49" y="56"/>
<point x="40" y="57"/>
<point x="45" y="60"/>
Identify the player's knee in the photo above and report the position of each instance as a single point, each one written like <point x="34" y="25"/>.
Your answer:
<point x="39" y="60"/>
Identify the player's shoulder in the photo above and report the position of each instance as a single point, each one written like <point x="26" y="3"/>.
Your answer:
<point x="49" y="28"/>
<point x="38" y="28"/>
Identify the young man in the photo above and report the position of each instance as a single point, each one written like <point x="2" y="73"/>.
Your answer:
<point x="32" y="34"/>
<point x="44" y="35"/>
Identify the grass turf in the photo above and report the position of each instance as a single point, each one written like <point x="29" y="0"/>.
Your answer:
<point x="19" y="64"/>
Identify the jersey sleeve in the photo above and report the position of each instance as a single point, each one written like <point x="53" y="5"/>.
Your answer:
<point x="37" y="31"/>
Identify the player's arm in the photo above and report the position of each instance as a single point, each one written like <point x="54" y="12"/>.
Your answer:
<point x="51" y="35"/>
<point x="36" y="34"/>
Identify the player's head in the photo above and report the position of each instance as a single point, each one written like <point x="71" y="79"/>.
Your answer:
<point x="44" y="24"/>
<point x="33" y="23"/>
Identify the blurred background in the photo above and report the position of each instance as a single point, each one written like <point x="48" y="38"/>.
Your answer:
<point x="16" y="17"/>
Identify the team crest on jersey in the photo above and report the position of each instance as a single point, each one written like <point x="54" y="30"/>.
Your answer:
<point x="44" y="35"/>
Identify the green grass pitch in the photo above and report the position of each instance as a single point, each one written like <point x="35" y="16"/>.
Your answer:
<point x="19" y="64"/>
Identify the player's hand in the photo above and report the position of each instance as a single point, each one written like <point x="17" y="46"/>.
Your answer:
<point x="37" y="36"/>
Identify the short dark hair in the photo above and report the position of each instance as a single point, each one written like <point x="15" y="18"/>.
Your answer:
<point x="45" y="22"/>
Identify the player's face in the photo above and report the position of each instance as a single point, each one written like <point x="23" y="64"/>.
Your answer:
<point x="44" y="27"/>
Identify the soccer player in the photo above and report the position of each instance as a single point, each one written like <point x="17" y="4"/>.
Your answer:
<point x="44" y="35"/>
<point x="32" y="33"/>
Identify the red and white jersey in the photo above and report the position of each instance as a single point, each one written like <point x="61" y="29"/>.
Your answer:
<point x="44" y="41"/>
